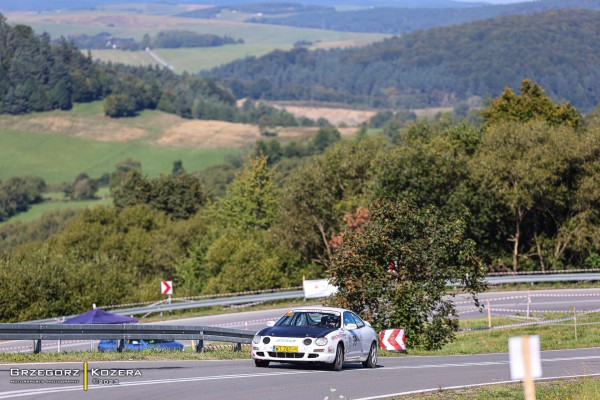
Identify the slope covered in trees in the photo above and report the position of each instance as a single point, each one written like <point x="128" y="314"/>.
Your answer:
<point x="36" y="75"/>
<point x="396" y="20"/>
<point x="558" y="49"/>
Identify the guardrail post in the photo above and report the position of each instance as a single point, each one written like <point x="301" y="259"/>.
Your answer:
<point x="120" y="345"/>
<point x="37" y="346"/>
<point x="237" y="347"/>
<point x="200" y="346"/>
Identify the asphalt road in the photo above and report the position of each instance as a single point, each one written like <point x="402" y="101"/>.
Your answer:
<point x="239" y="379"/>
<point x="501" y="304"/>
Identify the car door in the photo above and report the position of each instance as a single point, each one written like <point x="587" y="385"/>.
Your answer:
<point x="365" y="333"/>
<point x="354" y="348"/>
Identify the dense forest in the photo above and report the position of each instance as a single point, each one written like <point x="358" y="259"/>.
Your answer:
<point x="523" y="185"/>
<point x="395" y="20"/>
<point x="443" y="66"/>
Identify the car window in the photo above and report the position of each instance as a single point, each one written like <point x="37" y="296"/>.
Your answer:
<point x="310" y="319"/>
<point x="348" y="319"/>
<point x="359" y="321"/>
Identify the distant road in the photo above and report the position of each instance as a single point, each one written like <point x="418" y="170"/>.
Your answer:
<point x="239" y="379"/>
<point x="557" y="300"/>
<point x="159" y="60"/>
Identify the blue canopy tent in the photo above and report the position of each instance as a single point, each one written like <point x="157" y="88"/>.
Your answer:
<point x="98" y="316"/>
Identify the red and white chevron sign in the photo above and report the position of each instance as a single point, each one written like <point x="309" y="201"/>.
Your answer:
<point x="393" y="340"/>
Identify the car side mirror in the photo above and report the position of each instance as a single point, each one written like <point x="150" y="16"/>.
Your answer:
<point x="367" y="323"/>
<point x="271" y="323"/>
<point x="351" y="327"/>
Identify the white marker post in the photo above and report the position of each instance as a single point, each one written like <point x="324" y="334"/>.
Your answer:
<point x="525" y="362"/>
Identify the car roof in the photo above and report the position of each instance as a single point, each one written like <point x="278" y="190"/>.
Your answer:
<point x="320" y="308"/>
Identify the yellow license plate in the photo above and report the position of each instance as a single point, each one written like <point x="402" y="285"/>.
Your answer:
<point x="286" y="349"/>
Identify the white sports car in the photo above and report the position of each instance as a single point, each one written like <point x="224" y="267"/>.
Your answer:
<point x="317" y="334"/>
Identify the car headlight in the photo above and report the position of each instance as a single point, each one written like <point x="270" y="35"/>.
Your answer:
<point x="321" y="341"/>
<point x="256" y="339"/>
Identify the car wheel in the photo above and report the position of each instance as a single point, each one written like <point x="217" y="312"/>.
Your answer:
<point x="261" y="363"/>
<point x="338" y="362"/>
<point x="371" y="361"/>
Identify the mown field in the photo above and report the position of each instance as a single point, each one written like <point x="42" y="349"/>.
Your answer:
<point x="58" y="145"/>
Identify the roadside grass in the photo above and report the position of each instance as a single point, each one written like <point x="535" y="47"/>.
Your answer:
<point x="128" y="355"/>
<point x="552" y="337"/>
<point x="563" y="389"/>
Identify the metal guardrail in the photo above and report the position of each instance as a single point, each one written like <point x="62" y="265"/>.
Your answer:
<point x="226" y="301"/>
<point x="122" y="332"/>
<point x="579" y="277"/>
<point x="297" y="294"/>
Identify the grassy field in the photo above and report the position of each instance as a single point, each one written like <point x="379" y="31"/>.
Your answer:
<point x="59" y="159"/>
<point x="58" y="145"/>
<point x="198" y="59"/>
<point x="136" y="58"/>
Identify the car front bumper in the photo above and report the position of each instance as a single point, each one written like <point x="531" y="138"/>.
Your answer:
<point x="324" y="354"/>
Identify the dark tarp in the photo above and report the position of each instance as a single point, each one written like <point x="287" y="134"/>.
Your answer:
<point x="98" y="316"/>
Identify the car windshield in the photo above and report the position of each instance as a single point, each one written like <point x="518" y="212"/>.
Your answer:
<point x="317" y="319"/>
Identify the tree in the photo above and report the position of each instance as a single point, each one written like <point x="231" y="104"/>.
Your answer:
<point x="325" y="137"/>
<point x="119" y="105"/>
<point x="251" y="200"/>
<point x="426" y="250"/>
<point x="121" y="171"/>
<point x="528" y="169"/>
<point x="83" y="188"/>
<point x="318" y="194"/>
<point x="179" y="196"/>
<point x="531" y="104"/>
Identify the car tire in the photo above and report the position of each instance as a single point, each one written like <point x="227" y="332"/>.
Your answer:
<point x="338" y="362"/>
<point x="261" y="363"/>
<point x="371" y="361"/>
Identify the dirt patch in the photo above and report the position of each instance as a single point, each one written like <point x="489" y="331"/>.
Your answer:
<point x="336" y="116"/>
<point x="208" y="135"/>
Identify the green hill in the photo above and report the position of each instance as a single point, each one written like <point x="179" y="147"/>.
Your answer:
<point x="558" y="49"/>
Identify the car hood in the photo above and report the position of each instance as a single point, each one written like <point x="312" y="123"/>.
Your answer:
<point x="296" y="331"/>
